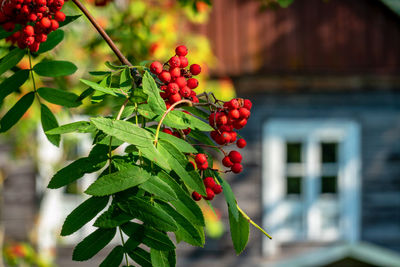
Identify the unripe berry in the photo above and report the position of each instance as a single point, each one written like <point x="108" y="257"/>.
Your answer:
<point x="181" y="82"/>
<point x="192" y="83"/>
<point x="235" y="156"/>
<point x="156" y="67"/>
<point x="241" y="143"/>
<point x="244" y="113"/>
<point x="174" y="62"/>
<point x="237" y="168"/>
<point x="196" y="196"/>
<point x="247" y="104"/>
<point x="234" y="114"/>
<point x="181" y="50"/>
<point x="200" y="158"/>
<point x="217" y="189"/>
<point x="195" y="69"/>
<point x="209" y="182"/>
<point x="210" y="194"/>
<point x="165" y="76"/>
<point x="184" y="62"/>
<point x="226" y="161"/>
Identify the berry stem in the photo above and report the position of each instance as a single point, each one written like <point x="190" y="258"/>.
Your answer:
<point x="103" y="34"/>
<point x="252" y="222"/>
<point x="166" y="113"/>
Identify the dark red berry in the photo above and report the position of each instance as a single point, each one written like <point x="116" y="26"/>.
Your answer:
<point x="167" y="131"/>
<point x="247" y="104"/>
<point x="210" y="194"/>
<point x="217" y="189"/>
<point x="241" y="143"/>
<point x="226" y="161"/>
<point x="235" y="156"/>
<point x="196" y="196"/>
<point x="209" y="182"/>
<point x="195" y="69"/>
<point x="200" y="158"/>
<point x="203" y="166"/>
<point x="237" y="168"/>
<point x="244" y="113"/>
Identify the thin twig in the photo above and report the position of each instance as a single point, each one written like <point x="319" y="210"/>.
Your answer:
<point x="252" y="222"/>
<point x="103" y="34"/>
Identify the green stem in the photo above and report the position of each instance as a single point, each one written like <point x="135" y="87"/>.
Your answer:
<point x="252" y="222"/>
<point x="33" y="77"/>
<point x="166" y="113"/>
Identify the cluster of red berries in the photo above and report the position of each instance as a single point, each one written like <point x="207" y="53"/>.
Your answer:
<point x="178" y="82"/>
<point x="212" y="189"/>
<point x="37" y="17"/>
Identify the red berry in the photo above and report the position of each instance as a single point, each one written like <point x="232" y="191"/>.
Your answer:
<point x="209" y="182"/>
<point x="195" y="69"/>
<point x="247" y="104"/>
<point x="40" y="37"/>
<point x="210" y="194"/>
<point x="200" y="158"/>
<point x="237" y="168"/>
<point x="226" y="136"/>
<point x="181" y="50"/>
<point x="241" y="143"/>
<point x="54" y="25"/>
<point x="165" y="76"/>
<point x="196" y="196"/>
<point x="185" y="92"/>
<point x="211" y="119"/>
<point x="235" y="156"/>
<point x="203" y="166"/>
<point x="184" y="62"/>
<point x="233" y="104"/>
<point x="187" y="131"/>
<point x="227" y="162"/>
<point x="217" y="189"/>
<point x="222" y="119"/>
<point x="175" y="72"/>
<point x="156" y="67"/>
<point x="244" y="113"/>
<point x="240" y="124"/>
<point x="45" y="22"/>
<point x="181" y="82"/>
<point x="234" y="114"/>
<point x="29" y="30"/>
<point x="233" y="136"/>
<point x="192" y="83"/>
<point x="167" y="131"/>
<point x="59" y="16"/>
<point x="174" y="98"/>
<point x="172" y="88"/>
<point x="34" y="47"/>
<point x="174" y="62"/>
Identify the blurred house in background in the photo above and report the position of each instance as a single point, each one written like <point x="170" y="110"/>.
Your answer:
<point x="322" y="165"/>
<point x="322" y="170"/>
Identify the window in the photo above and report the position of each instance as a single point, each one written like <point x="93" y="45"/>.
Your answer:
<point x="311" y="181"/>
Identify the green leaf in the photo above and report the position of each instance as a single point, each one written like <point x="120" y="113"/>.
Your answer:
<point x="54" y="68"/>
<point x="229" y="196"/>
<point x="94" y="162"/>
<point x="140" y="256"/>
<point x="11" y="59"/>
<point x="83" y="214"/>
<point x="155" y="156"/>
<point x="69" y="19"/>
<point x="239" y="232"/>
<point x="126" y="81"/>
<point x="113" y="217"/>
<point x="12" y="83"/>
<point x="159" y="188"/>
<point x="103" y="89"/>
<point x="160" y="258"/>
<point x="186" y="230"/>
<point x="182" y="145"/>
<point x="99" y="73"/>
<point x="185" y="205"/>
<point x="196" y="111"/>
<point x="202" y="138"/>
<point x="78" y="126"/>
<point x="85" y="94"/>
<point x="49" y="122"/>
<point x="124" y="130"/>
<point x="194" y="122"/>
<point x="149" y="214"/>
<point x="155" y="101"/>
<point x="53" y="39"/>
<point x="92" y="244"/>
<point x="170" y="120"/>
<point x="113" y="259"/>
<point x="16" y="112"/>
<point x="114" y="67"/>
<point x="118" y="181"/>
<point x="181" y="166"/>
<point x="59" y="97"/>
<point x="148" y="236"/>
<point x="285" y="3"/>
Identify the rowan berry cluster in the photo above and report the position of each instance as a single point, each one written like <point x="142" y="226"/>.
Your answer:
<point x="177" y="81"/>
<point x="212" y="189"/>
<point x="37" y="19"/>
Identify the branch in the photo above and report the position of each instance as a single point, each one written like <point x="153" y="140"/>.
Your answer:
<point x="103" y="34"/>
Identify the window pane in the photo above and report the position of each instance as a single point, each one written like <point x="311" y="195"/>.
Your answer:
<point x="329" y="184"/>
<point x="293" y="185"/>
<point x="329" y="152"/>
<point x="293" y="152"/>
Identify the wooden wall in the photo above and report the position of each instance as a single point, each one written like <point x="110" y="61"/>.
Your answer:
<point x="313" y="36"/>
